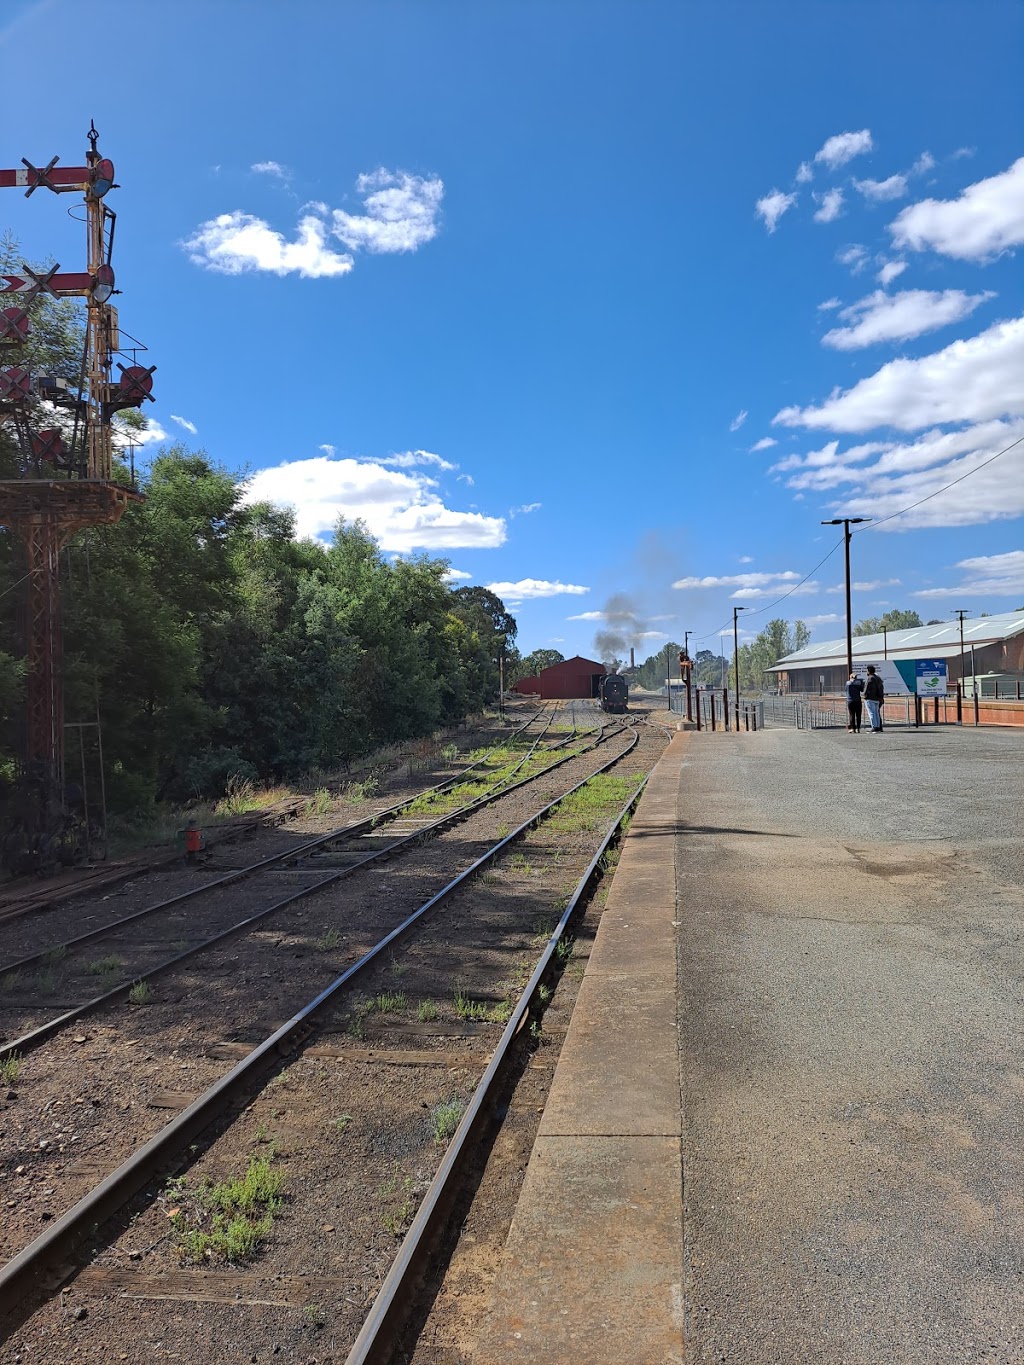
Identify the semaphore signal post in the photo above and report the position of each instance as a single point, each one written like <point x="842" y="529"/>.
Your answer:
<point x="63" y="481"/>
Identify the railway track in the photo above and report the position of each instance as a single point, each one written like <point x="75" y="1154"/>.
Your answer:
<point x="138" y="947"/>
<point x="107" y="1049"/>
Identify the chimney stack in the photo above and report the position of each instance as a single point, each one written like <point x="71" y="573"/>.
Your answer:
<point x="632" y="660"/>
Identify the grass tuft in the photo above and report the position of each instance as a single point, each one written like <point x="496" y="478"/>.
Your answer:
<point x="445" y="1117"/>
<point x="10" y="1068"/>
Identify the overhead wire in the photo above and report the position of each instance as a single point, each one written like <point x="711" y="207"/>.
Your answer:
<point x="903" y="510"/>
<point x="873" y="526"/>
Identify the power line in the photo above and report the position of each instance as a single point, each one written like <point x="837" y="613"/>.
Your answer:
<point x="873" y="526"/>
<point x="881" y="520"/>
<point x="756" y="611"/>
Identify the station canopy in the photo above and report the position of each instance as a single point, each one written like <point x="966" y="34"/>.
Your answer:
<point x="940" y="641"/>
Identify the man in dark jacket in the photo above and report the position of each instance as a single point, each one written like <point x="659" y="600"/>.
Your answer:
<point x="854" y="692"/>
<point x="874" y="696"/>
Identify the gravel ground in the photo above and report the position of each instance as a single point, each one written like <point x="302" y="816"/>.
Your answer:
<point x="352" y="1125"/>
<point x="852" y="1051"/>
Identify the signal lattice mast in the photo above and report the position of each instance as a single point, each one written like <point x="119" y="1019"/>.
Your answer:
<point x="64" y="476"/>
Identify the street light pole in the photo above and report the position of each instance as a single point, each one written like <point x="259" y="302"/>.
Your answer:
<point x="961" y="615"/>
<point x="846" y="523"/>
<point x="736" y="660"/>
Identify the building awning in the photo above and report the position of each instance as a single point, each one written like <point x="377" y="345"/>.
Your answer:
<point x="940" y="641"/>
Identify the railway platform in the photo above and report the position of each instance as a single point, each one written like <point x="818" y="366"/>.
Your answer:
<point x="785" y="1123"/>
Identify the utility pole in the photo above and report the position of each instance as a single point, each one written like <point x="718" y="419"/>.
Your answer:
<point x="961" y="614"/>
<point x="846" y="523"/>
<point x="736" y="659"/>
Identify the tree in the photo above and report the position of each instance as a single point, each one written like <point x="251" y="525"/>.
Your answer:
<point x="529" y="665"/>
<point x="891" y="620"/>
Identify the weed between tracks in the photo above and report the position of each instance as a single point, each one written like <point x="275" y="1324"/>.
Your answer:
<point x="228" y="1221"/>
<point x="10" y="1068"/>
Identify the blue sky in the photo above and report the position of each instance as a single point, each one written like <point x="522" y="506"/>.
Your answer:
<point x="533" y="285"/>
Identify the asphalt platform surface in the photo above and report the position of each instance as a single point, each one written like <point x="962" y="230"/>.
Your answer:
<point x="851" y="1032"/>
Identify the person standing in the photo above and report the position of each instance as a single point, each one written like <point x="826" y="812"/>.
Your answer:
<point x="874" y="696"/>
<point x="854" y="692"/>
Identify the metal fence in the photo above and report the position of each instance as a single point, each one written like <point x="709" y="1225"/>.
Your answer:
<point x="714" y="710"/>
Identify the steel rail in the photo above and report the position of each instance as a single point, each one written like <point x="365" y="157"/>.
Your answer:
<point x="240" y="874"/>
<point x="48" y="1253"/>
<point x="103" y="880"/>
<point x="379" y="1335"/>
<point x="17" y="1047"/>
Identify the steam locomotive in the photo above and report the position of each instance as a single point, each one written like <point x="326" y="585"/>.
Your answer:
<point x="613" y="691"/>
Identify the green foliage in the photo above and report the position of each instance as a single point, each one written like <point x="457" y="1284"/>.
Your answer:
<point x="224" y="651"/>
<point x="229" y="1221"/>
<point x="445" y="1117"/>
<point x="531" y="664"/>
<point x="10" y="1068"/>
<point x="890" y="620"/>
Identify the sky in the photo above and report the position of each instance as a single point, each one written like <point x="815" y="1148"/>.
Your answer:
<point x="608" y="304"/>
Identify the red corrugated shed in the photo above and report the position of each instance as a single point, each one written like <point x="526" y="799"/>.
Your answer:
<point x="572" y="678"/>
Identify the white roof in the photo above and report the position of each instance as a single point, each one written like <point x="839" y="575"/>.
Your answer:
<point x="941" y="641"/>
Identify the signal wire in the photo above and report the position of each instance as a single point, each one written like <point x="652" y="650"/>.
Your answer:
<point x="882" y="520"/>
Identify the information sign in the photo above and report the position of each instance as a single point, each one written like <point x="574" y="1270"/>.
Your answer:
<point x="931" y="677"/>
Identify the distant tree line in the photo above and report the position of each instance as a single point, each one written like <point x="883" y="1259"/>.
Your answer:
<point x="215" y="643"/>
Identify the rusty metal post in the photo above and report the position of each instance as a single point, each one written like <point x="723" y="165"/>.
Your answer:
<point x="977" y="718"/>
<point x="725" y="708"/>
<point x="712" y="699"/>
<point x="936" y="710"/>
<point x="959" y="702"/>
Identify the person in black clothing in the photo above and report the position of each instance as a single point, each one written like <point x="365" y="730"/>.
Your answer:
<point x="854" y="691"/>
<point x="874" y="696"/>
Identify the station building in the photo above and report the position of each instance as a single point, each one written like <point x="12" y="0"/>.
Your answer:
<point x="572" y="679"/>
<point x="993" y="655"/>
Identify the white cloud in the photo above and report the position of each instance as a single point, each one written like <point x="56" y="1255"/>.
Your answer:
<point x="457" y="576"/>
<point x="526" y="509"/>
<point x="971" y="380"/>
<point x="829" y="304"/>
<point x="901" y="475"/>
<point x="880" y="190"/>
<point x="402" y="510"/>
<point x="808" y="589"/>
<point x="773" y="206"/>
<point x="739" y="580"/>
<point x="924" y="163"/>
<point x="587" y="616"/>
<point x="412" y="459"/>
<point x="765" y="443"/>
<point x="466" y="479"/>
<point x="987" y="218"/>
<point x="746" y="559"/>
<point x="890" y="271"/>
<point x="738" y="420"/>
<point x="838" y="150"/>
<point x="897" y="317"/>
<point x="831" y="206"/>
<point x="992" y="575"/>
<point x="190" y="427"/>
<point x="270" y="168"/>
<point x="235" y="243"/>
<point x="854" y="256"/>
<point x="530" y="588"/>
<point x="152" y="434"/>
<point x="401" y="212"/>
<point x="804" y="172"/>
<point x="825" y="467"/>
<point x="873" y="584"/>
<point x="826" y="619"/>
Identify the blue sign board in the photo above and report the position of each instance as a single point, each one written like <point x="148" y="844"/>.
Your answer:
<point x="931" y="677"/>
